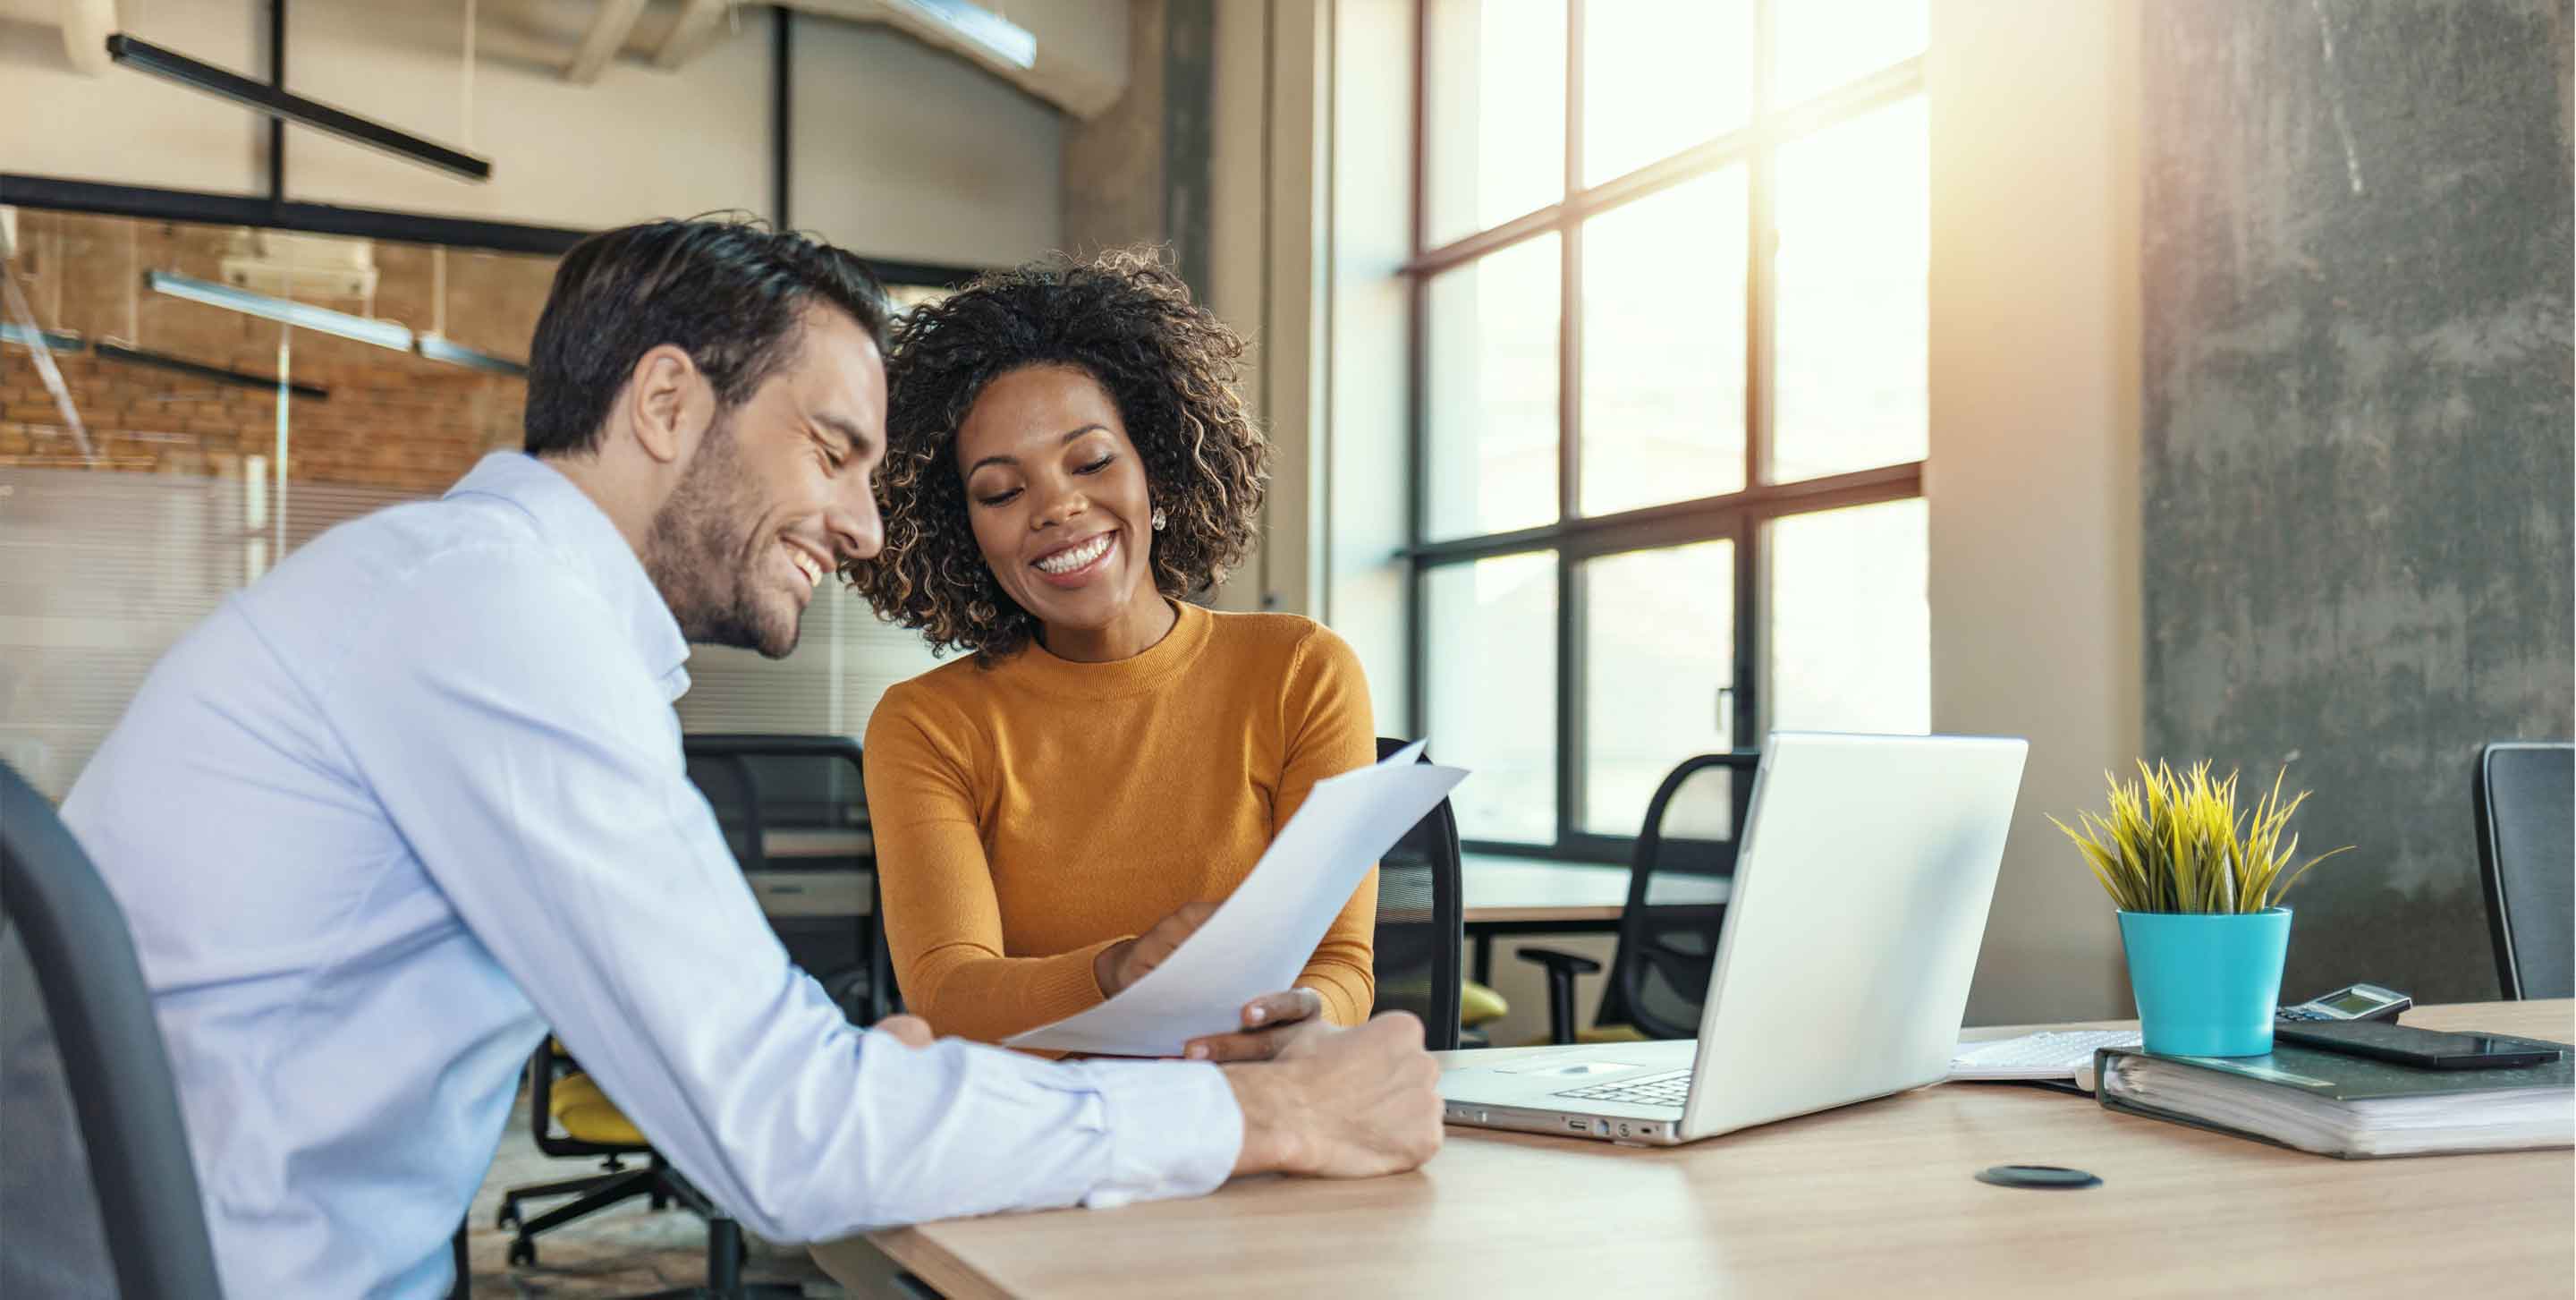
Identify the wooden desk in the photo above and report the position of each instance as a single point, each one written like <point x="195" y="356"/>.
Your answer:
<point x="1856" y="1201"/>
<point x="1537" y="896"/>
<point x="1565" y="896"/>
<point x="812" y="893"/>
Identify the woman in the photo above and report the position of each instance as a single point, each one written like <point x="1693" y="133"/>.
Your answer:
<point x="1066" y="459"/>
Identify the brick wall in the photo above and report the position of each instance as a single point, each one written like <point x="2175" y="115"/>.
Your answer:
<point x="391" y="420"/>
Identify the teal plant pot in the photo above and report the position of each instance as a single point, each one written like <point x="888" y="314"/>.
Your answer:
<point x="2206" y="985"/>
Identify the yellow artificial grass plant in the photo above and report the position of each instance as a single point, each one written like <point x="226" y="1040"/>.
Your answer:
<point x="2175" y="843"/>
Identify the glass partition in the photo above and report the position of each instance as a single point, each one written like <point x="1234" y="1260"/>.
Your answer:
<point x="175" y="440"/>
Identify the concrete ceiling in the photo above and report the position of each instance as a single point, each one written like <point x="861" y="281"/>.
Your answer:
<point x="1081" y="64"/>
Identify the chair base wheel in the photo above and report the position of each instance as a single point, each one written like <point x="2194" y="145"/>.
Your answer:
<point x="523" y="1252"/>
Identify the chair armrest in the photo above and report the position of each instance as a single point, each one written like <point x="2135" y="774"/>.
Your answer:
<point x="1571" y="963"/>
<point x="1562" y="967"/>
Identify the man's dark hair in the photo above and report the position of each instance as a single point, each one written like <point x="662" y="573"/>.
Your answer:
<point x="729" y="293"/>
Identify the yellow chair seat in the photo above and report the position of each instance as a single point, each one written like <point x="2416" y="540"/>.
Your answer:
<point x="587" y="1115"/>
<point x="1478" y="1003"/>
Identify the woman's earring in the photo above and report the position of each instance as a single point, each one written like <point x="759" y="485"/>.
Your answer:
<point x="1159" y="520"/>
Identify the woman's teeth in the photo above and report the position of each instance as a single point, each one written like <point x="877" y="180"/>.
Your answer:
<point x="1067" y="561"/>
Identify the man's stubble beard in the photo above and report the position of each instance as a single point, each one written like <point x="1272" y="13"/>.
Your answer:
<point x="701" y="558"/>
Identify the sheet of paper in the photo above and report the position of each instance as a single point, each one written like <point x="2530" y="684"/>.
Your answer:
<point x="1262" y="934"/>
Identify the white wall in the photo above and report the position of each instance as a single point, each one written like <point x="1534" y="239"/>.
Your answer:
<point x="906" y="152"/>
<point x="1365" y="456"/>
<point x="901" y="151"/>
<point x="123" y="126"/>
<point x="639" y="143"/>
<point x="1239" y="218"/>
<point x="2032" y="478"/>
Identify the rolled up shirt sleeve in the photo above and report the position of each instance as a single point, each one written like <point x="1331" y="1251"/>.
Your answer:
<point x="550" y="803"/>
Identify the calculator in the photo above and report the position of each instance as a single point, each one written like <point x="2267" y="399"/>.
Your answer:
<point x="2351" y="1002"/>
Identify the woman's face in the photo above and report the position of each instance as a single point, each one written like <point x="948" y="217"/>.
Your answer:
<point x="1058" y="498"/>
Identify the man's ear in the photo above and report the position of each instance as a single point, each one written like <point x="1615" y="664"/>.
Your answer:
<point x="667" y="403"/>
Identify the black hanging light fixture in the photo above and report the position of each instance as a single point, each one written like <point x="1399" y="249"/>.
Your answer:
<point x="201" y="370"/>
<point x="260" y="96"/>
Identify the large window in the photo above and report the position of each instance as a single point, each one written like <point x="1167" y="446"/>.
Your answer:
<point x="1669" y="282"/>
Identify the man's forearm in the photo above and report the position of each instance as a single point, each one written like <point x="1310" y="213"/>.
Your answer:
<point x="1268" y="1097"/>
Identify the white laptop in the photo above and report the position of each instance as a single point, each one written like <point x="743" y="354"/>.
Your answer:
<point x="1842" y="966"/>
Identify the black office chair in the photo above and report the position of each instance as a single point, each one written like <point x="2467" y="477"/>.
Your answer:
<point x="810" y="786"/>
<point x="757" y="785"/>
<point x="2525" y="794"/>
<point x="1421" y="933"/>
<point x="592" y="1126"/>
<point x="114" y="1064"/>
<point x="1659" y="972"/>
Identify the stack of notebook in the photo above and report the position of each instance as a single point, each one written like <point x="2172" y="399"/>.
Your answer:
<point x="2346" y="1106"/>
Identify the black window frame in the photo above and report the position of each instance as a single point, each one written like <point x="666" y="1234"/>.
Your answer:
<point x="1574" y="538"/>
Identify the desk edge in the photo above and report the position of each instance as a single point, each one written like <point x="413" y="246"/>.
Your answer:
<point x="952" y="1277"/>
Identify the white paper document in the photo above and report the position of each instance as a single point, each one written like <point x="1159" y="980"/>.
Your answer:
<point x="1262" y="935"/>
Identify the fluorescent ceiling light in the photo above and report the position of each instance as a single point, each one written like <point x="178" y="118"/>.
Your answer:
<point x="382" y="333"/>
<point x="27" y="337"/>
<point x="217" y="374"/>
<point x="259" y="96"/>
<point x="435" y="348"/>
<point x="1004" y="39"/>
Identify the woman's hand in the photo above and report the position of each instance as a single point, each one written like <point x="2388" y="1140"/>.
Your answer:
<point x="1271" y="1023"/>
<point x="911" y="1031"/>
<point x="1125" y="962"/>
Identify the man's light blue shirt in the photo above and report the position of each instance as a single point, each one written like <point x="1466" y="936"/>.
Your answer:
<point x="399" y="807"/>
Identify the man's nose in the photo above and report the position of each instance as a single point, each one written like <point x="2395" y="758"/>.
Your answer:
<point x="857" y="532"/>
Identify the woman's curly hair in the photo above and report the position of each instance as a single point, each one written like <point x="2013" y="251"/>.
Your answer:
<point x="1125" y="319"/>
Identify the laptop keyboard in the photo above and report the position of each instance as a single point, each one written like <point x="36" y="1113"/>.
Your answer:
<point x="1655" y="1090"/>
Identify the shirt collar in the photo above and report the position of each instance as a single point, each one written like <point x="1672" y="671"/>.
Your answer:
<point x="575" y="525"/>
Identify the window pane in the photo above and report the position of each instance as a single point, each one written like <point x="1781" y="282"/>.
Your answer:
<point x="1494" y="134"/>
<point x="1663" y="347"/>
<point x="1660" y="76"/>
<point x="1658" y="646"/>
<point x="1851" y="628"/>
<point x="1491" y="371"/>
<point x="1853" y="260"/>
<point x="1490" y="628"/>
<point x="1824" y="43"/>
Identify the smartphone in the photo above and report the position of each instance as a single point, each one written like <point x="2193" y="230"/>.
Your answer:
<point x="2424" y="1048"/>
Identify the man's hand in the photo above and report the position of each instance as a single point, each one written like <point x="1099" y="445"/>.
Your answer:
<point x="1349" y="1104"/>
<point x="1269" y="1022"/>
<point x="1125" y="962"/>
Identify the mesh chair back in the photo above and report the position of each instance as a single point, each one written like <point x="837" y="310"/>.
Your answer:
<point x="1659" y="976"/>
<point x="727" y="782"/>
<point x="760" y="785"/>
<point x="820" y="789"/>
<point x="2526" y="803"/>
<point x="1420" y="933"/>
<point x="105" y="1052"/>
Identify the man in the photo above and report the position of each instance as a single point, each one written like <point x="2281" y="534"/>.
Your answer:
<point x="417" y="796"/>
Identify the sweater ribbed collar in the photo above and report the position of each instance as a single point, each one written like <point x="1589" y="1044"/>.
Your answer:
<point x="1041" y="670"/>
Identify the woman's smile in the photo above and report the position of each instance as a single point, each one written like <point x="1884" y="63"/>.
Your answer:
<point x="1075" y="564"/>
